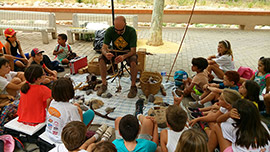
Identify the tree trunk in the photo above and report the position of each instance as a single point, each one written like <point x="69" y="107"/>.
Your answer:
<point x="156" y="24"/>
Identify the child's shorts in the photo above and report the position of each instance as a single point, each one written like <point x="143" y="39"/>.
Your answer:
<point x="19" y="56"/>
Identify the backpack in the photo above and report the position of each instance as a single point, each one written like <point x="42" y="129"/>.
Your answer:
<point x="179" y="76"/>
<point x="245" y="72"/>
<point x="71" y="55"/>
<point x="98" y="41"/>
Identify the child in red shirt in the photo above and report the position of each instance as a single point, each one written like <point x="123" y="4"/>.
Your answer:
<point x="35" y="98"/>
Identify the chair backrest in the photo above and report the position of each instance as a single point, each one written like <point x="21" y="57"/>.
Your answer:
<point x="79" y="19"/>
<point x="27" y="18"/>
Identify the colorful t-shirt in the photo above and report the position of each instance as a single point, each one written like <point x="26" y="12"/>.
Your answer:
<point x="261" y="80"/>
<point x="58" y="115"/>
<point x="5" y="81"/>
<point x="32" y="105"/>
<point x="64" y="54"/>
<point x="143" y="145"/>
<point x="222" y="86"/>
<point x="121" y="42"/>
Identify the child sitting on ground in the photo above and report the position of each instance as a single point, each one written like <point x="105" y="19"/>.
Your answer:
<point x="10" y="81"/>
<point x="128" y="128"/>
<point x="244" y="132"/>
<point x="226" y="99"/>
<point x="62" y="50"/>
<point x="73" y="137"/>
<point x="223" y="61"/>
<point x="35" y="98"/>
<point x="37" y="57"/>
<point x="61" y="111"/>
<point x="192" y="140"/>
<point x="7" y="56"/>
<point x="12" y="46"/>
<point x="249" y="90"/>
<point x="213" y="90"/>
<point x="200" y="79"/>
<point x="176" y="119"/>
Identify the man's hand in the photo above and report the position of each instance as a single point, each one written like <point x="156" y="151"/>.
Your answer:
<point x="119" y="59"/>
<point x="109" y="56"/>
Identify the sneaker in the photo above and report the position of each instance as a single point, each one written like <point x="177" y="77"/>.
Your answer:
<point x="139" y="107"/>
<point x="193" y="109"/>
<point x="101" y="129"/>
<point x="195" y="105"/>
<point x="132" y="92"/>
<point x="195" y="96"/>
<point x="107" y="135"/>
<point x="102" y="89"/>
<point x="196" y="115"/>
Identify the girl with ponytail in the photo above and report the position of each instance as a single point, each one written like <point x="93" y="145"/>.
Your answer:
<point x="35" y="98"/>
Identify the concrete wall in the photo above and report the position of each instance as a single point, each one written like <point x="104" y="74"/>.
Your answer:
<point x="246" y="19"/>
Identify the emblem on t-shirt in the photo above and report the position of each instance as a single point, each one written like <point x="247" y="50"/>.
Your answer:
<point x="120" y="43"/>
<point x="54" y="112"/>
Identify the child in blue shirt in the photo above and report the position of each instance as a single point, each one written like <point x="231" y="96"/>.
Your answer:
<point x="128" y="127"/>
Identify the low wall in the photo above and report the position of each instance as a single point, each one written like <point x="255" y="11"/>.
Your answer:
<point x="246" y="19"/>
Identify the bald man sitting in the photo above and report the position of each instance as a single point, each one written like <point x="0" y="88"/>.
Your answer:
<point x="124" y="41"/>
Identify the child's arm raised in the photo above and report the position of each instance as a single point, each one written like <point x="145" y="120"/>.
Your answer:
<point x="177" y="100"/>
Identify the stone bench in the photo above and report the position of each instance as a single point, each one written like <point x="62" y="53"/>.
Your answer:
<point x="96" y="22"/>
<point x="43" y="22"/>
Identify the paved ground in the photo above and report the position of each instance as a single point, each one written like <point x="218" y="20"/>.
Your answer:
<point x="247" y="46"/>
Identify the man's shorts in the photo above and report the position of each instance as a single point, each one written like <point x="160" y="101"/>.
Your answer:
<point x="128" y="60"/>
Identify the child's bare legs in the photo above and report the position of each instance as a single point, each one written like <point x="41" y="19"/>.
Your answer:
<point x="215" y="68"/>
<point x="16" y="81"/>
<point x="267" y="103"/>
<point x="205" y="93"/>
<point x="65" y="61"/>
<point x="210" y="97"/>
<point x="223" y="143"/>
<point x="20" y="64"/>
<point x="147" y="125"/>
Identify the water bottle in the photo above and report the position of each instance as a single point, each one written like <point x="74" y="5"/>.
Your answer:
<point x="163" y="72"/>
